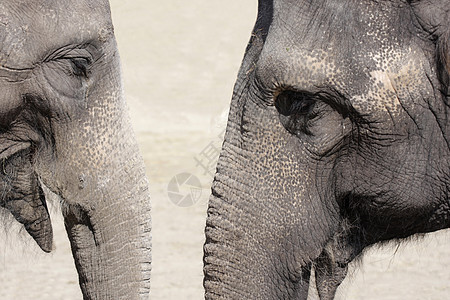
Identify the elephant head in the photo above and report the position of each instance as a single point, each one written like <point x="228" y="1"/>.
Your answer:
<point x="64" y="125"/>
<point x="337" y="139"/>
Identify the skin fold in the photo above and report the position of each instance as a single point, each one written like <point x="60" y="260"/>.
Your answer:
<point x="64" y="124"/>
<point x="337" y="139"/>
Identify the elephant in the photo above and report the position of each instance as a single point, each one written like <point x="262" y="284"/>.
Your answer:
<point x="337" y="140"/>
<point x="65" y="130"/>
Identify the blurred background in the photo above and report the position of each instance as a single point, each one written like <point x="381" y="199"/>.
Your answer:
<point x="180" y="60"/>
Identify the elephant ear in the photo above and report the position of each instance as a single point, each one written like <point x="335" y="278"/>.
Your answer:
<point x="22" y="195"/>
<point x="434" y="17"/>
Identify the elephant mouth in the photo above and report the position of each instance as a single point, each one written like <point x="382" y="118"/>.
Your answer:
<point x="22" y="195"/>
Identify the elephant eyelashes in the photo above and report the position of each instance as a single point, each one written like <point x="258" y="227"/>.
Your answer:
<point x="296" y="109"/>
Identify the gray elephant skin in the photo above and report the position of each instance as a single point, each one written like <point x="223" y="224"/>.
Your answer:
<point x="337" y="139"/>
<point x="64" y="125"/>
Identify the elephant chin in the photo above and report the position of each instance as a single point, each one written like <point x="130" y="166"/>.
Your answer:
<point x="24" y="198"/>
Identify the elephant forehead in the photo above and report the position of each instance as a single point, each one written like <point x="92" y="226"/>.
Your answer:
<point x="371" y="58"/>
<point x="392" y="82"/>
<point x="31" y="30"/>
<point x="293" y="67"/>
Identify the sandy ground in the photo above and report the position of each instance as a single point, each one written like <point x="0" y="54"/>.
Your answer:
<point x="180" y="60"/>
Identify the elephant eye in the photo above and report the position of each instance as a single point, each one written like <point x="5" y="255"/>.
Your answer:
<point x="80" y="66"/>
<point x="297" y="111"/>
<point x="291" y="103"/>
<point x="75" y="62"/>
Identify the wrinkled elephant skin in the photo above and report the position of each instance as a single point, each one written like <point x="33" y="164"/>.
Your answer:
<point x="64" y="125"/>
<point x="337" y="139"/>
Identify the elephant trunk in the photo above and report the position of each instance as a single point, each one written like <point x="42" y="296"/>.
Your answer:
<point x="109" y="231"/>
<point x="111" y="241"/>
<point x="253" y="250"/>
<point x="234" y="266"/>
<point x="238" y="264"/>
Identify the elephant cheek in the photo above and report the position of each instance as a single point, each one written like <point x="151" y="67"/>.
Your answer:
<point x="24" y="199"/>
